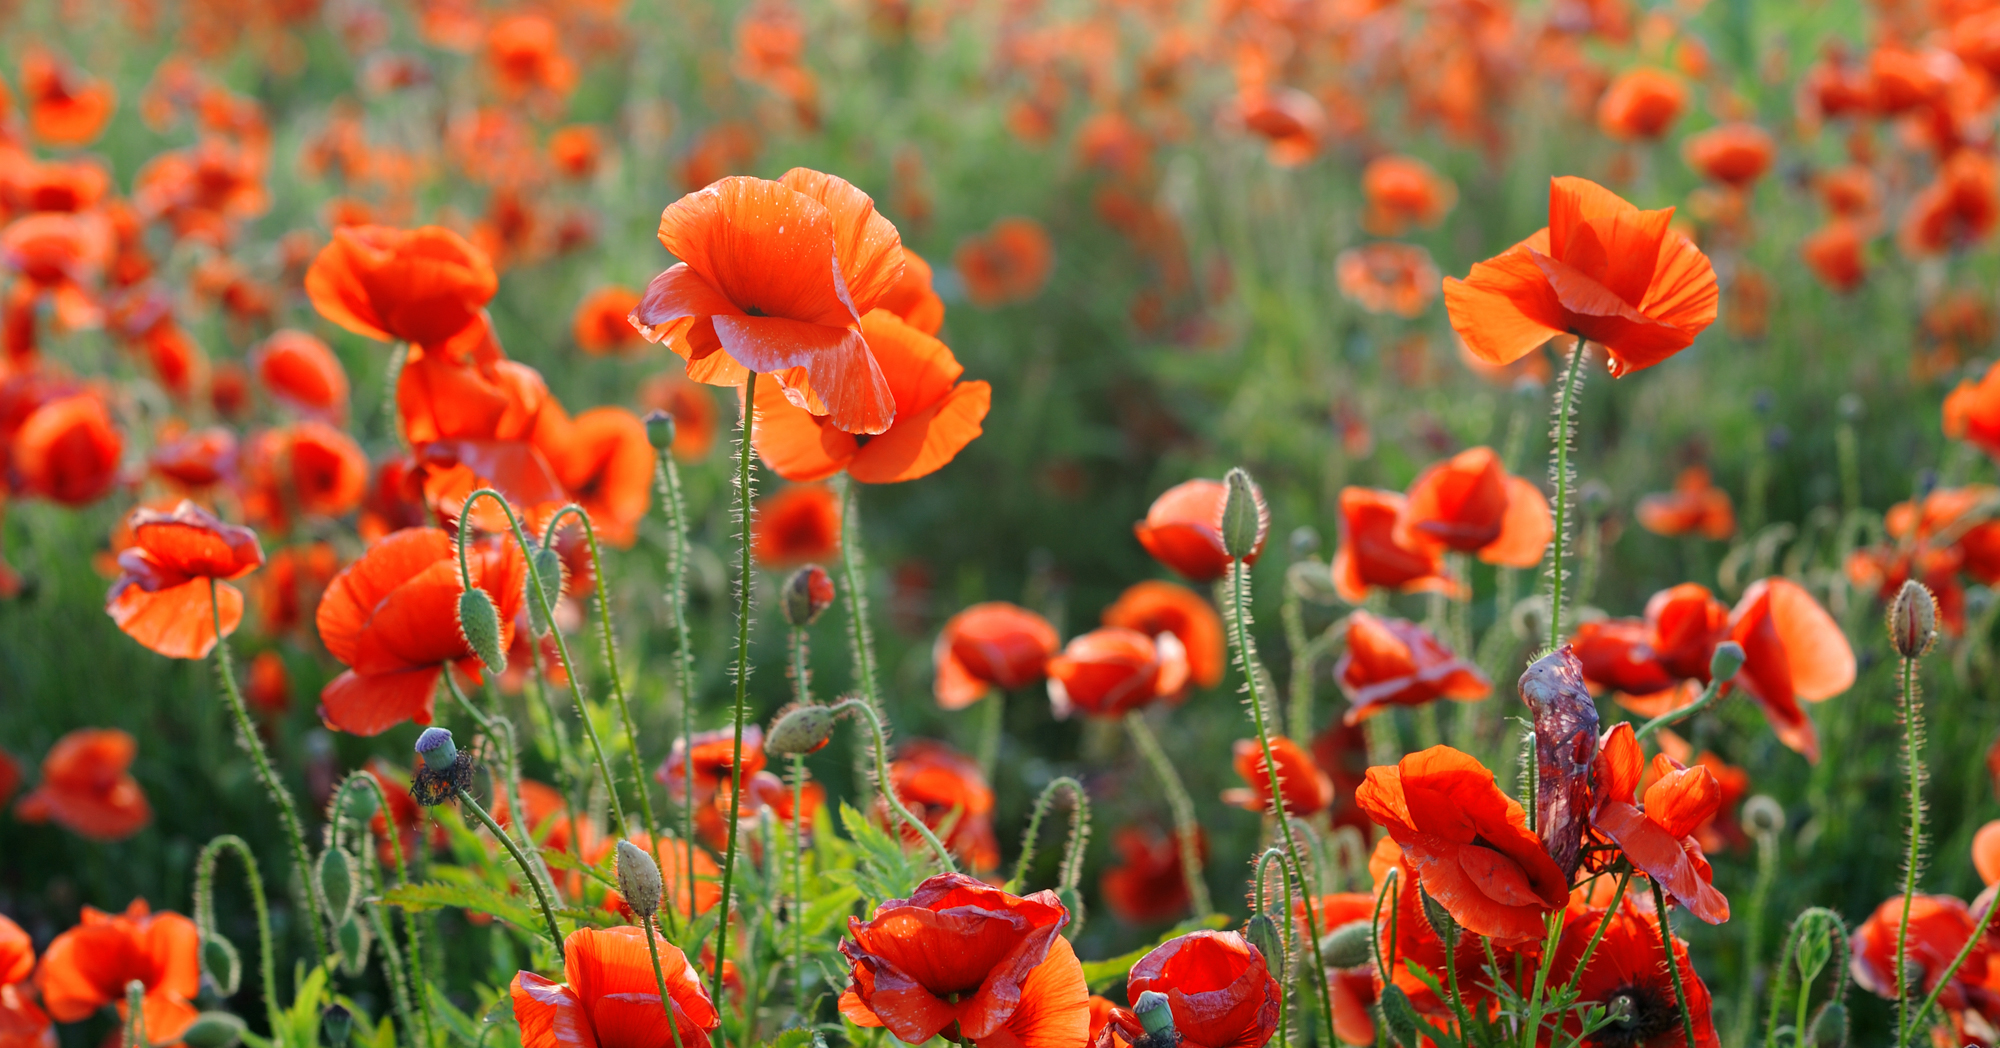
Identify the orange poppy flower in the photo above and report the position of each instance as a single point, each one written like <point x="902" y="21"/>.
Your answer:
<point x="23" y="1024"/>
<point x="605" y="464"/>
<point x="1695" y="506"/>
<point x="1958" y="209"/>
<point x="689" y="896"/>
<point x="774" y="278"/>
<point x="1218" y="986"/>
<point x="1628" y="970"/>
<point x="291" y="583"/>
<point x="1649" y="657"/>
<point x="961" y="956"/>
<point x="1733" y="154"/>
<point x="990" y="645"/>
<point x="1291" y="122"/>
<point x="67" y="450"/>
<point x="576" y="150"/>
<point x="611" y="998"/>
<point x="1148" y="884"/>
<point x="392" y="619"/>
<point x="1370" y="553"/>
<point x="712" y="765"/>
<point x="1388" y="277"/>
<point x="419" y="285"/>
<point x="1414" y="942"/>
<point x="87" y="787"/>
<point x="1153" y="607"/>
<point x="1183" y="529"/>
<point x="269" y="687"/>
<point x="912" y="298"/>
<point x="65" y="108"/>
<point x="1470" y="503"/>
<point x="936" y="415"/>
<point x="1834" y="252"/>
<point x="1793" y="651"/>
<point x="329" y="472"/>
<point x="303" y="373"/>
<point x="1658" y="838"/>
<point x="1307" y="788"/>
<point x="229" y="389"/>
<point x="1111" y="671"/>
<point x="938" y="783"/>
<point x="797" y="525"/>
<point x="1468" y="841"/>
<point x="56" y="185"/>
<point x="197" y="459"/>
<point x="162" y="599"/>
<point x="1603" y="270"/>
<point x="1851" y="191"/>
<point x="1641" y="104"/>
<point x="1938" y="928"/>
<point x="693" y="408"/>
<point x="89" y="966"/>
<point x="524" y="53"/>
<point x="1972" y="412"/>
<point x="1403" y="191"/>
<point x="1393" y="662"/>
<point x="476" y="394"/>
<point x="600" y="326"/>
<point x="1009" y="263"/>
<point x="1986" y="852"/>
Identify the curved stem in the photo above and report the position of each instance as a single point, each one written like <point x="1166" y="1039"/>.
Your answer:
<point x="204" y="875"/>
<point x="420" y="1006"/>
<point x="1071" y="868"/>
<point x="501" y="729"/>
<point x="1257" y="909"/>
<point x="1565" y="408"/>
<point x="660" y="978"/>
<point x="888" y="793"/>
<point x="1913" y="741"/>
<point x="527" y="869"/>
<point x="745" y="462"/>
<point x="1703" y="701"/>
<point x="1186" y="830"/>
<point x="1673" y="961"/>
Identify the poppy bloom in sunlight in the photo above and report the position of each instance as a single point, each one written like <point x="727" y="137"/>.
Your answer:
<point x="300" y="371"/>
<point x="89" y="966"/>
<point x="1110" y="671"/>
<point x="1306" y="788"/>
<point x="1986" y="852"/>
<point x="1959" y="208"/>
<point x="1183" y="529"/>
<point x="1939" y="926"/>
<point x="163" y="598"/>
<point x="1008" y="263"/>
<point x="961" y="956"/>
<point x="694" y="411"/>
<point x="1415" y="942"/>
<point x="913" y="298"/>
<point x="1658" y="837"/>
<point x="87" y="787"/>
<point x="936" y="415"/>
<point x="774" y="278"/>
<point x="599" y="325"/>
<point x="1370" y="553"/>
<point x="195" y="460"/>
<point x="1972" y="412"/>
<point x="990" y="645"/>
<point x="1648" y="657"/>
<point x="1733" y="154"/>
<point x="1468" y="842"/>
<point x="419" y="285"/>
<point x="1153" y="607"/>
<point x="1148" y="884"/>
<point x="611" y="997"/>
<point x="1393" y="662"/>
<point x="797" y="525"/>
<point x="324" y="470"/>
<point x="1603" y="270"/>
<point x="938" y="783"/>
<point x="1470" y="503"/>
<point x="1627" y="974"/>
<point x="1695" y="506"/>
<point x="67" y="450"/>
<point x="65" y="107"/>
<point x="1793" y="652"/>
<point x="392" y="619"/>
<point x="576" y="151"/>
<point x="1403" y="191"/>
<point x="1834" y="252"/>
<point x="1219" y="987"/>
<point x="604" y="463"/>
<point x="1641" y="104"/>
<point x="1388" y="277"/>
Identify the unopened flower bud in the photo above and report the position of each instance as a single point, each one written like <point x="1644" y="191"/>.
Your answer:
<point x="803" y="729"/>
<point x="639" y="879"/>
<point x="659" y="429"/>
<point x="337" y="1023"/>
<point x="808" y="593"/>
<point x="436" y="748"/>
<point x="547" y="565"/>
<point x="1763" y="815"/>
<point x="221" y="964"/>
<point x="1348" y="946"/>
<point x="1245" y="518"/>
<point x="214" y="1030"/>
<point x="1829" y="1029"/>
<point x="1154" y="1013"/>
<point x="1913" y="620"/>
<point x="1262" y="932"/>
<point x="479" y="624"/>
<point x="1441" y="920"/>
<point x="1304" y="541"/>
<point x="352" y="940"/>
<point x="336" y="884"/>
<point x="1722" y="665"/>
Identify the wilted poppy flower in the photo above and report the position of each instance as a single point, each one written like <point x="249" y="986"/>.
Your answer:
<point x="1403" y="191"/>
<point x="797" y="525"/>
<point x="1388" y="277"/>
<point x="1393" y="662"/>
<point x="1008" y="263"/>
<point x="1183" y="529"/>
<point x="1659" y="838"/>
<point x="600" y="325"/>
<point x="302" y="372"/>
<point x="1468" y="842"/>
<point x="392" y="618"/>
<point x="524" y="53"/>
<point x="612" y="998"/>
<point x="197" y="459"/>
<point x="962" y="957"/>
<point x="89" y="966"/>
<point x="419" y="285"/>
<point x="1959" y="208"/>
<point x="1938" y="928"/>
<point x="1695" y="506"/>
<point x="1370" y="553"/>
<point x="1470" y="503"/>
<point x="87" y="787"/>
<point x="1733" y="154"/>
<point x="693" y="409"/>
<point x="1641" y="104"/>
<point x="65" y="108"/>
<point x="1306" y="788"/>
<point x="938" y="783"/>
<point x="774" y="278"/>
<point x="1291" y="122"/>
<point x="913" y="298"/>
<point x="990" y="645"/>
<point x="1148" y="884"/>
<point x="162" y="599"/>
<point x="1111" y="671"/>
<point x="1219" y="987"/>
<point x="1603" y="270"/>
<point x="1793" y="651"/>
<point x="1627" y="974"/>
<point x="605" y="464"/>
<point x="1834" y="253"/>
<point x="1153" y="607"/>
<point x="67" y="450"/>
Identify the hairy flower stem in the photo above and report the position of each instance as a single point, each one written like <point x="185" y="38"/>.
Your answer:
<point x="135" y="1015"/>
<point x="204" y="912"/>
<point x="1703" y="701"/>
<point x="1590" y="948"/>
<point x="745" y="476"/>
<point x="1673" y="962"/>
<point x="888" y="793"/>
<point x="660" y="977"/>
<point x="683" y="657"/>
<point x="992" y="715"/>
<point x="1186" y="829"/>
<point x="1913" y="743"/>
<point x="801" y="674"/>
<point x="501" y="730"/>
<point x="854" y="594"/>
<point x="417" y="1003"/>
<point x="527" y="868"/>
<point x="1257" y="907"/>
<point x="1565" y="412"/>
<point x="288" y="811"/>
<point x="1753" y="947"/>
<point x="1070" y="870"/>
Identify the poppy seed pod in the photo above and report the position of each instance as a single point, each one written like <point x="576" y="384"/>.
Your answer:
<point x="1913" y="620"/>
<point x="1728" y="658"/>
<point x="1763" y="815"/>
<point x="214" y="1030"/>
<point x="479" y="624"/>
<point x="803" y="729"/>
<point x="1348" y="946"/>
<point x="639" y="879"/>
<point x="437" y="749"/>
<point x="352" y="940"/>
<point x="659" y="429"/>
<point x="1245" y="518"/>
<point x="1153" y="1012"/>
<point x="808" y="593"/>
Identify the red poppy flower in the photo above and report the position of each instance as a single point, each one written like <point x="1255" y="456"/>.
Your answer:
<point x="1009" y="263"/>
<point x="419" y="285"/>
<point x="990" y="645"/>
<point x="1148" y="884"/>
<point x="1153" y="607"/>
<point x="89" y="966"/>
<point x="10" y="777"/>
<point x="1307" y="789"/>
<point x="1393" y="662"/>
<point x="1386" y="277"/>
<point x="65" y="108"/>
<point x="1939" y="927"/>
<point x="1110" y="671"/>
<point x="797" y="525"/>
<point x="1960" y="208"/>
<point x="1403" y="191"/>
<point x="392" y="618"/>
<point x="301" y="371"/>
<point x="1468" y="842"/>
<point x="162" y="599"/>
<point x="1370" y="553"/>
<point x="1733" y="154"/>
<point x="1408" y="939"/>
<point x="1629" y="971"/>
<point x="1469" y="503"/>
<point x="524" y="53"/>
<point x="1673" y="643"/>
<point x="938" y="783"/>
<point x="774" y="278"/>
<point x="605" y="464"/>
<point x="88" y="788"/>
<point x="1793" y="651"/>
<point x="1183" y="529"/>
<point x="326" y="469"/>
<point x="67" y="450"/>
<point x="1219" y="987"/>
<point x="963" y="958"/>
<point x="269" y="687"/>
<point x="197" y="459"/>
<point x="611" y="998"/>
<point x="23" y="1024"/>
<point x="1291" y="122"/>
<point x="1641" y="104"/>
<point x="599" y="325"/>
<point x="1659" y="838"/>
<point x="575" y="151"/>
<point x="1695" y="506"/>
<point x="1834" y="253"/>
<point x="1602" y="270"/>
<point x="913" y="299"/>
<point x="466" y="387"/>
<point x="712" y="763"/>
<point x="1972" y="412"/>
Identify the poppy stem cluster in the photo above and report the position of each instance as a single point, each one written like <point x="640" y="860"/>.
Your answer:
<point x="1186" y="828"/>
<point x="409" y="991"/>
<point x="204" y="915"/>
<point x="678" y="550"/>
<point x="882" y="779"/>
<point x="527" y="868"/>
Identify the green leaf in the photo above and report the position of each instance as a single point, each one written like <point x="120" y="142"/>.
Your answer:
<point x="459" y="1024"/>
<point x="1102" y="974"/>
<point x="796" y="1037"/>
<point x="513" y="909"/>
<point x="827" y="910"/>
<point x="603" y="873"/>
<point x="884" y="870"/>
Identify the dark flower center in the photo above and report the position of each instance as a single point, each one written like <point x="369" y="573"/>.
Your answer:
<point x="1643" y="1014"/>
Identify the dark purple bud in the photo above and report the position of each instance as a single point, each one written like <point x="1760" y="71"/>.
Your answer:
<point x="1565" y="751"/>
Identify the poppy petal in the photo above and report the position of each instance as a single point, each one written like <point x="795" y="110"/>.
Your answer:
<point x="795" y="443"/>
<point x="549" y="1014"/>
<point x="763" y="246"/>
<point x="1505" y="309"/>
<point x="867" y="244"/>
<point x="1055" y="1005"/>
<point x="840" y="372"/>
<point x="920" y="444"/>
<point x="178" y="622"/>
<point x="1597" y="231"/>
<point x="1525" y="530"/>
<point x="1822" y="662"/>
<point x="371" y="705"/>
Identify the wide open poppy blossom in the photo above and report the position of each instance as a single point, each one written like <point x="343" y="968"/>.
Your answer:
<point x="774" y="278"/>
<point x="1793" y="652"/>
<point x="1218" y="986"/>
<point x="1470" y="503"/>
<point x="23" y="1024"/>
<point x="913" y="298"/>
<point x="1111" y="671"/>
<point x="1306" y="788"/>
<point x="611" y="998"/>
<point x="87" y="786"/>
<point x="67" y="450"/>
<point x="1387" y="277"/>
<point x="1370" y="553"/>
<point x="1467" y="841"/>
<point x="599" y="325"/>
<point x="990" y="645"/>
<point x="65" y="107"/>
<point x="1628" y="971"/>
<point x="1183" y="529"/>
<point x="1695" y="506"/>
<point x="1658" y="838"/>
<point x="1394" y="662"/>
<point x="797" y="525"/>
<point x="1939" y="927"/>
<point x="1148" y="884"/>
<point x="162" y="599"/>
<point x="1603" y="270"/>
<point x="392" y="618"/>
<point x="88" y="967"/>
<point x="1641" y="104"/>
<point x="938" y="783"/>
<point x="604" y="463"/>
<point x="964" y="958"/>
<point x="1008" y="263"/>
<point x="693" y="408"/>
<point x="301" y="372"/>
<point x="1153" y="607"/>
<point x="419" y="285"/>
<point x="1733" y="154"/>
<point x="1403" y="191"/>
<point x="936" y="415"/>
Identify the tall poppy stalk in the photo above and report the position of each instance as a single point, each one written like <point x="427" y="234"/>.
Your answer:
<point x="745" y="476"/>
<point x="1912" y="631"/>
<point x="1561" y="474"/>
<point x="853" y="572"/>
<point x="660" y="428"/>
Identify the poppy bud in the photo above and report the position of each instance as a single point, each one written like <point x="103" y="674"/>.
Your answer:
<point x="336" y="884"/>
<point x="221" y="964"/>
<point x="1245" y="518"/>
<point x="1263" y="934"/>
<point x="358" y="805"/>
<point x="1072" y="901"/>
<point x="1763" y="816"/>
<point x="1913" y="620"/>
<point x="437" y="749"/>
<point x="1348" y="946"/>
<point x="808" y="593"/>
<point x="479" y="624"/>
<point x="351" y="939"/>
<point x="803" y="729"/>
<point x="638" y="880"/>
<point x="1154" y="1012"/>
<point x="214" y="1030"/>
<point x="1400" y="1016"/>
<point x="547" y="565"/>
<point x="1441" y="920"/>
<point x="1728" y="658"/>
<point x="659" y="429"/>
<point x="1304" y="541"/>
<point x="336" y="1023"/>
<point x="1829" y="1028"/>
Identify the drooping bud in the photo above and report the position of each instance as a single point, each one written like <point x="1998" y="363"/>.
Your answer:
<point x="1763" y="815"/>
<point x="1262" y="933"/>
<point x="1441" y="920"/>
<point x="1348" y="946"/>
<point x="547" y="565"/>
<point x="1400" y="1016"/>
<point x="214" y="1030"/>
<point x="479" y="624"/>
<point x="1154" y="1013"/>
<point x="802" y="729"/>
<point x="808" y="593"/>
<point x="336" y="884"/>
<point x="1245" y="518"/>
<point x="350" y="937"/>
<point x="336" y="1023"/>
<point x="436" y="748"/>
<point x="1829" y="1028"/>
<point x="659" y="430"/>
<point x="221" y="964"/>
<point x="639" y="879"/>
<point x="1728" y="658"/>
<point x="1913" y="620"/>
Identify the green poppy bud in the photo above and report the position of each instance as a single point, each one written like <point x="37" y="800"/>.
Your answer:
<point x="547" y="565"/>
<point x="221" y="964"/>
<point x="336" y="884"/>
<point x="1728" y="658"/>
<point x="214" y="1030"/>
<point x="1245" y="518"/>
<point x="351" y="937"/>
<point x="1441" y="920"/>
<point x="802" y="729"/>
<point x="639" y="879"/>
<point x="336" y="1022"/>
<point x="1349" y="946"/>
<point x="1829" y="1028"/>
<point x="1400" y="1016"/>
<point x="1913" y="620"/>
<point x="1262" y="932"/>
<point x="659" y="430"/>
<point x="479" y="624"/>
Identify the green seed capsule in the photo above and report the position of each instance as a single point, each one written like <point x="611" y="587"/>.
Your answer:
<point x="214" y="1030"/>
<point x="336" y="884"/>
<point x="479" y="623"/>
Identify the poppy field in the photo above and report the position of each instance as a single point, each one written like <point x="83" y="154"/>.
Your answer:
<point x="1015" y="523"/>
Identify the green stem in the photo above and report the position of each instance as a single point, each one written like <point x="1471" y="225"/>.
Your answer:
<point x="419" y="1005"/>
<point x="660" y="978"/>
<point x="135" y="1015"/>
<point x="204" y="875"/>
<point x="1944" y="980"/>
<point x="1298" y="713"/>
<point x="888" y="791"/>
<point x="799" y="885"/>
<point x="745" y="464"/>
<point x="1617" y="899"/>
<point x="1703" y="701"/>
<point x="992" y="714"/>
<point x="1565" y="407"/>
<point x="1673" y="961"/>
<point x="1257" y="909"/>
<point x="683" y="657"/>
<point x="527" y="868"/>
<point x="854" y="593"/>
<point x="1753" y="948"/>
<point x="1913" y="740"/>
<point x="1186" y="829"/>
<point x="1538" y="1000"/>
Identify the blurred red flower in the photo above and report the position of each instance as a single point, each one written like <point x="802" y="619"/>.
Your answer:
<point x="1394" y="662"/>
<point x="1147" y="884"/>
<point x="1153" y="607"/>
<point x="65" y="107"/>
<point x="1183" y="530"/>
<point x="938" y="783"/>
<point x="419" y="285"/>
<point x="1111" y="671"/>
<point x="796" y="525"/>
<point x="1735" y="154"/>
<point x="87" y="787"/>
<point x="1371" y="554"/>
<point x="1470" y="503"/>
<point x="600" y="326"/>
<point x="693" y="409"/>
<point x="990" y="645"/>
<point x="1009" y="263"/>
<point x="611" y="996"/>
<point x="1403" y="191"/>
<point x="1695" y="506"/>
<point x="1794" y="652"/>
<point x="1641" y="104"/>
<point x="89" y="966"/>
<point x="604" y="463"/>
<point x="1307" y="789"/>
